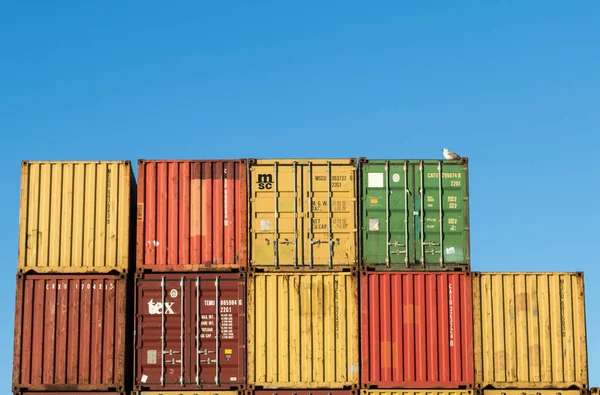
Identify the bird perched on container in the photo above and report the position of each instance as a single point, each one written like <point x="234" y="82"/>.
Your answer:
<point x="450" y="154"/>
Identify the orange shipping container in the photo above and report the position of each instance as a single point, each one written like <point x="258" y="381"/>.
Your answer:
<point x="191" y="215"/>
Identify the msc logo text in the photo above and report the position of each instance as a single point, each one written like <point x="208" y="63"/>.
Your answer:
<point x="265" y="181"/>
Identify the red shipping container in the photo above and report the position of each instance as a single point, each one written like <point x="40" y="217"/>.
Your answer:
<point x="70" y="333"/>
<point x="191" y="215"/>
<point x="183" y="341"/>
<point x="416" y="330"/>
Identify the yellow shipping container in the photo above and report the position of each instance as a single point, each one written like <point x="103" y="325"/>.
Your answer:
<point x="529" y="330"/>
<point x="303" y="213"/>
<point x="416" y="392"/>
<point x="303" y="330"/>
<point x="187" y="393"/>
<point x="534" y="392"/>
<point x="76" y="217"/>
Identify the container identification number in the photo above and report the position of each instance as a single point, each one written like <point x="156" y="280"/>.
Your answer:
<point x="100" y="287"/>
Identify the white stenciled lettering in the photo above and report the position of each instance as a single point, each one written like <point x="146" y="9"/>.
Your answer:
<point x="158" y="308"/>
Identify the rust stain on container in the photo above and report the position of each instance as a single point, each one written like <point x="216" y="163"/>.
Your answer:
<point x="70" y="333"/>
<point x="303" y="330"/>
<point x="191" y="215"/>
<point x="416" y="392"/>
<point x="533" y="392"/>
<point x="202" y="319"/>
<point x="416" y="330"/>
<point x="303" y="392"/>
<point x="76" y="217"/>
<point x="530" y="330"/>
<point x="187" y="393"/>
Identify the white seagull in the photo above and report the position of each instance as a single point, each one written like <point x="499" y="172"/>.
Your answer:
<point x="450" y="154"/>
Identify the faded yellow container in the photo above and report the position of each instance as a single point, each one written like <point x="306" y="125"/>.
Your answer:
<point x="188" y="393"/>
<point x="303" y="213"/>
<point x="529" y="330"/>
<point x="303" y="330"/>
<point x="416" y="392"/>
<point x="534" y="392"/>
<point x="76" y="217"/>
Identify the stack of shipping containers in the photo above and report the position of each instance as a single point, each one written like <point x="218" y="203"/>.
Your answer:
<point x="74" y="267"/>
<point x="415" y="286"/>
<point x="303" y="279"/>
<point x="277" y="276"/>
<point x="190" y="286"/>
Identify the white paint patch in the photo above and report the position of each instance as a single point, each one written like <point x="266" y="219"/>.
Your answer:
<point x="144" y="378"/>
<point x="173" y="293"/>
<point x="151" y="357"/>
<point x="375" y="180"/>
<point x="233" y="379"/>
<point x="265" y="224"/>
<point x="396" y="177"/>
<point x="450" y="250"/>
<point x="154" y="242"/>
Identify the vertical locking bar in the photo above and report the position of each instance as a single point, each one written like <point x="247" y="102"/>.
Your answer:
<point x="197" y="330"/>
<point x="441" y="203"/>
<point x="387" y="214"/>
<point x="182" y="333"/>
<point x="294" y="170"/>
<point x="276" y="241"/>
<point x="422" y="214"/>
<point x="218" y="334"/>
<point x="310" y="216"/>
<point x="406" y="192"/>
<point x="162" y="332"/>
<point x="330" y="214"/>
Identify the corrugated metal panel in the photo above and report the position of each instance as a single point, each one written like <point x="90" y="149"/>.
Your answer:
<point x="75" y="217"/>
<point x="177" y="316"/>
<point x="69" y="393"/>
<point x="303" y="213"/>
<point x="303" y="330"/>
<point x="188" y="393"/>
<point x="192" y="215"/>
<point x="303" y="392"/>
<point x="534" y="392"/>
<point x="70" y="333"/>
<point x="530" y="330"/>
<point x="416" y="392"/>
<point x="416" y="330"/>
<point x="411" y="211"/>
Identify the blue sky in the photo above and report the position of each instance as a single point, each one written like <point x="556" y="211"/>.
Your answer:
<point x="513" y="85"/>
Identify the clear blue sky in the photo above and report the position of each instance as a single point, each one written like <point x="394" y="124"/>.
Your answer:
<point x="515" y="86"/>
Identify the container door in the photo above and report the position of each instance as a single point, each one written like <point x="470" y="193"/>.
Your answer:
<point x="303" y="214"/>
<point x="161" y="332"/>
<point x="219" y="323"/>
<point x="439" y="222"/>
<point x="329" y="204"/>
<point x="387" y="214"/>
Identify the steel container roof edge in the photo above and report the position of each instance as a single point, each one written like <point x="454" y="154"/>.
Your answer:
<point x="207" y="221"/>
<point x="54" y="239"/>
<point x="563" y="319"/>
<point x="411" y="391"/>
<point x="394" y="305"/>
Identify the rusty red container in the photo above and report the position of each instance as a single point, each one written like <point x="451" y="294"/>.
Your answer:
<point x="416" y="330"/>
<point x="71" y="333"/>
<point x="191" y="215"/>
<point x="190" y="331"/>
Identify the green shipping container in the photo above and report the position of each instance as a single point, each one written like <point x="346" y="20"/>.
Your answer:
<point x="415" y="214"/>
